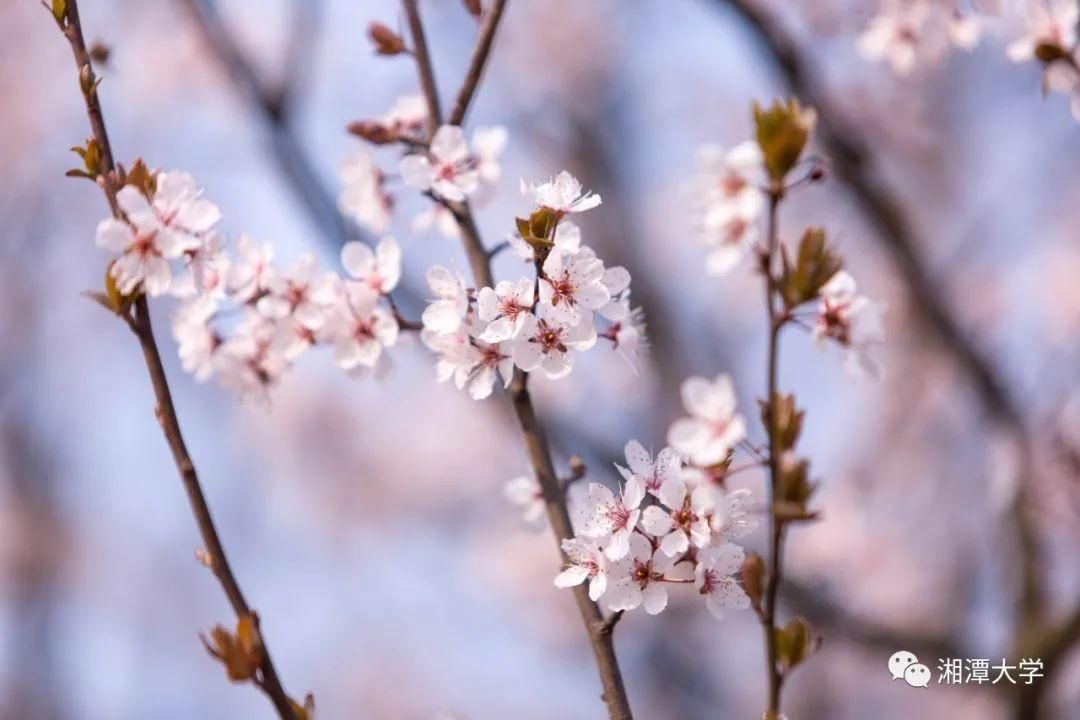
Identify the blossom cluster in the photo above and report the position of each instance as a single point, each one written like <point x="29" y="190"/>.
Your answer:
<point x="536" y="324"/>
<point x="908" y="34"/>
<point x="672" y="522"/>
<point x="241" y="317"/>
<point x="729" y="201"/>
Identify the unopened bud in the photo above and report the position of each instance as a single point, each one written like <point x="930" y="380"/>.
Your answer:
<point x="374" y="132"/>
<point x="473" y="7"/>
<point x="387" y="42"/>
<point x="99" y="53"/>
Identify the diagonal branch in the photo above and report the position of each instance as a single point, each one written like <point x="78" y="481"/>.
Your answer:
<point x="599" y="630"/>
<point x="166" y="412"/>
<point x="478" y="62"/>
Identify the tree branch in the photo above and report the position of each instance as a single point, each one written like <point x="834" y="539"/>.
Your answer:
<point x="478" y="61"/>
<point x="424" y="66"/>
<point x="536" y="442"/>
<point x="165" y="410"/>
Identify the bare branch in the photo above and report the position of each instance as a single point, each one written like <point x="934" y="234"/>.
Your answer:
<point x="478" y="62"/>
<point x="423" y="64"/>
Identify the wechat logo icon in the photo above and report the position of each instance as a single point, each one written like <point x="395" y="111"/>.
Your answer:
<point x="903" y="665"/>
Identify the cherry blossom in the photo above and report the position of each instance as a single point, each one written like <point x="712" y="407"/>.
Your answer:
<point x="468" y="360"/>
<point x="208" y="270"/>
<point x="729" y="202"/>
<point x="641" y="576"/>
<point x="653" y="474"/>
<point x="713" y="578"/>
<point x="504" y="308"/>
<point x="448" y="170"/>
<point x="1045" y="22"/>
<point x="446" y="312"/>
<point x="546" y="339"/>
<point x="408" y="115"/>
<point x="851" y="320"/>
<point x="585" y="561"/>
<point x="605" y="517"/>
<point x="380" y="270"/>
<point x="713" y="428"/>
<point x="686" y="521"/>
<point x="730" y="519"/>
<point x="300" y="292"/>
<point x="250" y="274"/>
<point x="197" y="341"/>
<point x="249" y="360"/>
<point x="176" y="211"/>
<point x="492" y="360"/>
<point x="627" y="330"/>
<point x="144" y="257"/>
<point x="360" y="328"/>
<point x="563" y="194"/>
<point x="488" y="144"/>
<point x="525" y="493"/>
<point x="572" y="285"/>
<point x="363" y="198"/>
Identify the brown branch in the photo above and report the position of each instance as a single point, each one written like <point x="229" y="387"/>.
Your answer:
<point x="141" y="325"/>
<point x="478" y="61"/>
<point x="536" y="442"/>
<point x="423" y="65"/>
<point x="776" y="525"/>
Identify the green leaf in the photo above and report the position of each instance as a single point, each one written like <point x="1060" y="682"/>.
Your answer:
<point x="59" y="10"/>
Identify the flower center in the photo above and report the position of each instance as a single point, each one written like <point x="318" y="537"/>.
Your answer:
<point x="550" y="338"/>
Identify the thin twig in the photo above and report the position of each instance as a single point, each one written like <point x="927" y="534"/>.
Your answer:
<point x="776" y="525"/>
<point x="141" y="325"/>
<point x="536" y="442"/>
<point x="423" y="64"/>
<point x="478" y="61"/>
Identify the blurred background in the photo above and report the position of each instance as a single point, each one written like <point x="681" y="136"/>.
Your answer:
<point x="366" y="519"/>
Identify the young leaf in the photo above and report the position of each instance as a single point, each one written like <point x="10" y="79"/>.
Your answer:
<point x="815" y="265"/>
<point x="794" y="643"/>
<point x="782" y="131"/>
<point x="59" y="10"/>
<point x="753" y="580"/>
<point x="786" y="423"/>
<point x="241" y="653"/>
